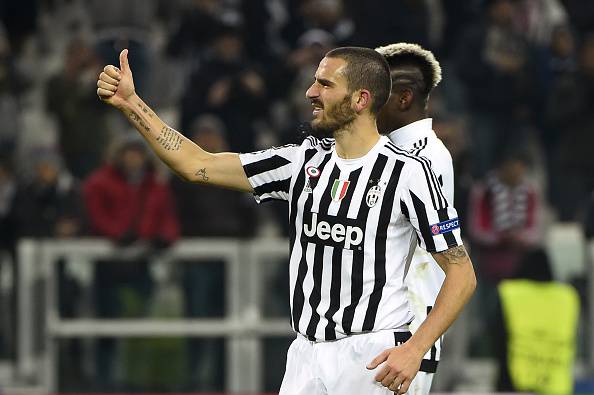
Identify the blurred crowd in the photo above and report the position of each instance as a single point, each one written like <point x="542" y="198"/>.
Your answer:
<point x="514" y="109"/>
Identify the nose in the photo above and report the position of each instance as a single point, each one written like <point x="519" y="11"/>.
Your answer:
<point x="312" y="92"/>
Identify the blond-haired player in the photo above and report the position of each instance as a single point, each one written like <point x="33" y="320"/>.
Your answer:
<point x="415" y="73"/>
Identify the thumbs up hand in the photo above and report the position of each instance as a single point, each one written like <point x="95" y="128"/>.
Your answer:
<point x="114" y="85"/>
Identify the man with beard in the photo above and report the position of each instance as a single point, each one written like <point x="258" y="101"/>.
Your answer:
<point x="355" y="201"/>
<point x="415" y="72"/>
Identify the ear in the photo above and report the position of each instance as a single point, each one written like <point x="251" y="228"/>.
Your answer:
<point x="405" y="99"/>
<point x="362" y="100"/>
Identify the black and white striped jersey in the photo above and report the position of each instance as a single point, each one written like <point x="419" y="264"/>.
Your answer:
<point x="351" y="222"/>
<point x="424" y="277"/>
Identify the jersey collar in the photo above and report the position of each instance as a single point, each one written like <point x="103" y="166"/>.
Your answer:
<point x="412" y="132"/>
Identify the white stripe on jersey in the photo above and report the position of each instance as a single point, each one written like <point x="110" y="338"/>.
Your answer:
<point x="351" y="223"/>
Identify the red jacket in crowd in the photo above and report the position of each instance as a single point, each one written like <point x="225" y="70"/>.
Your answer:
<point x="118" y="208"/>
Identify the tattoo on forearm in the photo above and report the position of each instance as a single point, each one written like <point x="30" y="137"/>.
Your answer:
<point x="136" y="118"/>
<point x="455" y="255"/>
<point x="202" y="174"/>
<point x="145" y="110"/>
<point x="170" y="139"/>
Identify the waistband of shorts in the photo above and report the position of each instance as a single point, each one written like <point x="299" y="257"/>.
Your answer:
<point x="404" y="328"/>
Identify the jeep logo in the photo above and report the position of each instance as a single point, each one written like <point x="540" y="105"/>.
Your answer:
<point x="337" y="234"/>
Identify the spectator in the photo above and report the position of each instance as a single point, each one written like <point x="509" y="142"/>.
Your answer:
<point x="533" y="355"/>
<point x="537" y="19"/>
<point x="127" y="204"/>
<point x="452" y="130"/>
<point x="581" y="14"/>
<point x="199" y="24"/>
<point x="203" y="280"/>
<point x="234" y="217"/>
<point x="11" y="85"/>
<point x="71" y="98"/>
<point x="494" y="63"/>
<point x="49" y="205"/>
<point x="301" y="65"/>
<point x="504" y="215"/>
<point x="229" y="85"/>
<point x="379" y="22"/>
<point x="326" y="15"/>
<point x="20" y="20"/>
<point x="570" y="121"/>
<point x="557" y="60"/>
<point x="124" y="24"/>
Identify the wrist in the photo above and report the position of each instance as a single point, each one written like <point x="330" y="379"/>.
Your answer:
<point x="417" y="347"/>
<point x="128" y="103"/>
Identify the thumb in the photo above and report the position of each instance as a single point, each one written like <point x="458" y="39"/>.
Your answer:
<point x="377" y="360"/>
<point x="124" y="66"/>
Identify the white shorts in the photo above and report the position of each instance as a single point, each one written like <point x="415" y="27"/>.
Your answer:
<point x="339" y="367"/>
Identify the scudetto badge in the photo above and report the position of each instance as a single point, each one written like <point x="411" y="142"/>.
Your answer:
<point x="339" y="189"/>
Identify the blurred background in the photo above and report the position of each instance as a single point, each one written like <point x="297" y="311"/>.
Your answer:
<point x="115" y="276"/>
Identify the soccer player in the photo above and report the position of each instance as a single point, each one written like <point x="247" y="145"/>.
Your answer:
<point x="415" y="73"/>
<point x="355" y="201"/>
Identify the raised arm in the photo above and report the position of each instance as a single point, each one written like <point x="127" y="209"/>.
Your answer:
<point x="116" y="87"/>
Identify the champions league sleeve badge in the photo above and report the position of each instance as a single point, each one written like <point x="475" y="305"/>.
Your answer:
<point x="445" y="226"/>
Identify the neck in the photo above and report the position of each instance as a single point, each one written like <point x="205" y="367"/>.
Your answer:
<point x="357" y="138"/>
<point x="406" y="119"/>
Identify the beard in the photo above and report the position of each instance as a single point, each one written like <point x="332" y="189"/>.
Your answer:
<point x="333" y="119"/>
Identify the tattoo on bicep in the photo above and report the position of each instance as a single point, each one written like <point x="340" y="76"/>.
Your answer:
<point x="170" y="139"/>
<point x="455" y="255"/>
<point x="202" y="174"/>
<point x="137" y="119"/>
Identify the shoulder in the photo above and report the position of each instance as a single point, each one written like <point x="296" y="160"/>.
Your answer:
<point x="410" y="161"/>
<point x="312" y="142"/>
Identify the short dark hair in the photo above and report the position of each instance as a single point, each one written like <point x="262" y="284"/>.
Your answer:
<point x="416" y="67"/>
<point x="366" y="69"/>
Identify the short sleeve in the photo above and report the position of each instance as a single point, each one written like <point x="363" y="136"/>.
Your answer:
<point x="269" y="172"/>
<point x="424" y="205"/>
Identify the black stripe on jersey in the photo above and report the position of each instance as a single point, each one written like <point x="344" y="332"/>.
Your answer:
<point x="428" y="173"/>
<point x="327" y="143"/>
<point x="448" y="236"/>
<point x="404" y="210"/>
<point x="420" y="145"/>
<point x="335" y="283"/>
<point x="381" y="240"/>
<point x="316" y="292"/>
<point x="262" y="166"/>
<point x="297" y="190"/>
<point x="298" y="295"/>
<point x="432" y="182"/>
<point x="318" y="263"/>
<point x="424" y="225"/>
<point x="358" y="255"/>
<point x="274" y="186"/>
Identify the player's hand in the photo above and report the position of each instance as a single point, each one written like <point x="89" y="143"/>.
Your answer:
<point x="114" y="85"/>
<point x="398" y="366"/>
